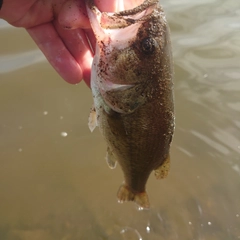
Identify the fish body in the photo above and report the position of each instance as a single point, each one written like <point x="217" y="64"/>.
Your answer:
<point x="132" y="88"/>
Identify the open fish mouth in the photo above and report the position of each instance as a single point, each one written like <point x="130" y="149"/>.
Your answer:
<point x="109" y="25"/>
<point x="128" y="17"/>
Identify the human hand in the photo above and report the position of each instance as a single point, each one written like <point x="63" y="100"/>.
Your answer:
<point x="61" y="30"/>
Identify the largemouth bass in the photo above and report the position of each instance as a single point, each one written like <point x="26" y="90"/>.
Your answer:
<point x="131" y="81"/>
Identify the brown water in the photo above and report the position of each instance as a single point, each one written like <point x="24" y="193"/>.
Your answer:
<point x="54" y="182"/>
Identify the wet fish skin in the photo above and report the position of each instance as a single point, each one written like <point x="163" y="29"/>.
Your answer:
<point x="133" y="98"/>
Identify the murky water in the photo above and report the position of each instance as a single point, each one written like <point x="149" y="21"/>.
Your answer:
<point x="54" y="182"/>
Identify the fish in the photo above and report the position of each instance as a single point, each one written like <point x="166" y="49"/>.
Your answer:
<point x="132" y="88"/>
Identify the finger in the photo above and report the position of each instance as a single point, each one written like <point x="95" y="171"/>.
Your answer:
<point x="78" y="45"/>
<point x="73" y="15"/>
<point x="116" y="5"/>
<point x="107" y="6"/>
<point x="132" y="4"/>
<point x="55" y="51"/>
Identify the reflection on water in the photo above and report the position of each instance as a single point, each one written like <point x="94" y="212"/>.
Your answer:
<point x="54" y="182"/>
<point x="14" y="62"/>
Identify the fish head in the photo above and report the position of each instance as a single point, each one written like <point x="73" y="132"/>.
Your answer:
<point x="131" y="50"/>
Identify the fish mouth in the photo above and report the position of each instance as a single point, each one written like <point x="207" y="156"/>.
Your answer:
<point x="108" y="25"/>
<point x="126" y="18"/>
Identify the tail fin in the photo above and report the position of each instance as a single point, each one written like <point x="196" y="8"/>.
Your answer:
<point x="125" y="194"/>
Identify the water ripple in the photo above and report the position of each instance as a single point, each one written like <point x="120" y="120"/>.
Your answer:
<point x="9" y="63"/>
<point x="4" y="24"/>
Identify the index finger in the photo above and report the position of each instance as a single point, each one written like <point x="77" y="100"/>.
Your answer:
<point x="49" y="42"/>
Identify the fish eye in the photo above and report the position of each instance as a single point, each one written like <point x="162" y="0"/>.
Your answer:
<point x="148" y="45"/>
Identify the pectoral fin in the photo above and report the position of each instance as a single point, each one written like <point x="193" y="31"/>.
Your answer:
<point x="92" y="120"/>
<point x="125" y="99"/>
<point x="162" y="171"/>
<point x="110" y="158"/>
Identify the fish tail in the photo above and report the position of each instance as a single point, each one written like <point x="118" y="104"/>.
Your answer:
<point x="140" y="198"/>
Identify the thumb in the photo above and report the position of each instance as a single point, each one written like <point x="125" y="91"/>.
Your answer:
<point x="73" y="15"/>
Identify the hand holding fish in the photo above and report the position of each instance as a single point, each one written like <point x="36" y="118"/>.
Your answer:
<point x="59" y="28"/>
<point x="131" y="75"/>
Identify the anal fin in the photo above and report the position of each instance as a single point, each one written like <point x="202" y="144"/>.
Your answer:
<point x="163" y="170"/>
<point x="125" y="194"/>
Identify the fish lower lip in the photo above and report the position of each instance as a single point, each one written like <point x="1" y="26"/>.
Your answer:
<point x="146" y="4"/>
